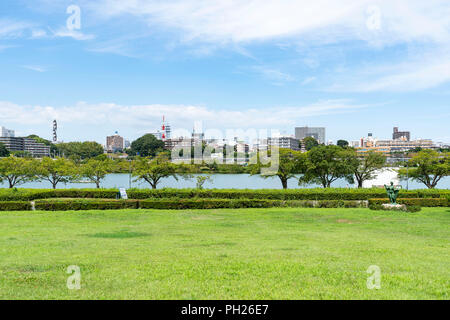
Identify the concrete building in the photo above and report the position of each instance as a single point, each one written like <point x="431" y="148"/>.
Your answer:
<point x="284" y="142"/>
<point x="35" y="148"/>
<point x="401" y="135"/>
<point x="317" y="133"/>
<point x="7" y="132"/>
<point x="114" y="143"/>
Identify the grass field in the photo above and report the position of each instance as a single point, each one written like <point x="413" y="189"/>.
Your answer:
<point x="225" y="254"/>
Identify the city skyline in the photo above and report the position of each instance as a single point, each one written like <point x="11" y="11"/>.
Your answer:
<point x="354" y="67"/>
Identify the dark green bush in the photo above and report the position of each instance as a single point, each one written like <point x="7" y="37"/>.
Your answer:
<point x="85" y="204"/>
<point x="15" y="206"/>
<point x="422" y="202"/>
<point x="413" y="208"/>
<point x="199" y="203"/>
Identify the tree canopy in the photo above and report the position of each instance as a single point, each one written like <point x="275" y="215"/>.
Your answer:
<point x="289" y="164"/>
<point x="96" y="170"/>
<point x="342" y="143"/>
<point x="56" y="170"/>
<point x="17" y="170"/>
<point x="80" y="150"/>
<point x="309" y="143"/>
<point x="153" y="170"/>
<point x="326" y="164"/>
<point x="367" y="165"/>
<point x="427" y="167"/>
<point x="146" y="146"/>
<point x="3" y="151"/>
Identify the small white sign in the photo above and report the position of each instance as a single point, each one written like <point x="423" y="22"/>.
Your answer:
<point x="123" y="193"/>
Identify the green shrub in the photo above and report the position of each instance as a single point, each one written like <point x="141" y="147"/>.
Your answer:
<point x="84" y="204"/>
<point x="422" y="202"/>
<point x="290" y="194"/>
<point x="199" y="203"/>
<point x="413" y="208"/>
<point x="15" y="205"/>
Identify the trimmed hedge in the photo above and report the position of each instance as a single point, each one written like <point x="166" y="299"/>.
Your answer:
<point x="84" y="204"/>
<point x="290" y="194"/>
<point x="422" y="202"/>
<point x="15" y="206"/>
<point x="198" y="203"/>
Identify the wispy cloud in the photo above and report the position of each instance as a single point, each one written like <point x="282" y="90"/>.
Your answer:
<point x="273" y="75"/>
<point x="34" y="68"/>
<point x="321" y="20"/>
<point x="12" y="28"/>
<point x="412" y="75"/>
<point x="77" y="35"/>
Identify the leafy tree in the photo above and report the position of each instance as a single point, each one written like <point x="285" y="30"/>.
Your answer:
<point x="201" y="181"/>
<point x="22" y="154"/>
<point x="326" y="164"/>
<point x="427" y="167"/>
<point x="3" y="151"/>
<point x="342" y="143"/>
<point x="17" y="170"/>
<point x="309" y="143"/>
<point x="367" y="165"/>
<point x="57" y="170"/>
<point x="289" y="164"/>
<point x="146" y="146"/>
<point x="80" y="150"/>
<point x="152" y="171"/>
<point x="96" y="170"/>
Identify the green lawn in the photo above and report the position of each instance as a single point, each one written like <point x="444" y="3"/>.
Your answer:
<point x="274" y="253"/>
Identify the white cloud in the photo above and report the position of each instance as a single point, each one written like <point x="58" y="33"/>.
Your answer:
<point x="77" y="35"/>
<point x="12" y="29"/>
<point x="35" y="68"/>
<point x="38" y="33"/>
<point x="308" y="80"/>
<point x="140" y="119"/>
<point x="415" y="74"/>
<point x="321" y="20"/>
<point x="276" y="76"/>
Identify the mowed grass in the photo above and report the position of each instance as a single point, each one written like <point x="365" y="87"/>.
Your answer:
<point x="274" y="253"/>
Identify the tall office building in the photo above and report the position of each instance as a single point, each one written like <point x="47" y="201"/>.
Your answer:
<point x="7" y="133"/>
<point x="114" y="143"/>
<point x="403" y="135"/>
<point x="317" y="133"/>
<point x="36" y="149"/>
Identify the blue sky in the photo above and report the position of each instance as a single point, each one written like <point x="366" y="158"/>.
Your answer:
<point x="353" y="67"/>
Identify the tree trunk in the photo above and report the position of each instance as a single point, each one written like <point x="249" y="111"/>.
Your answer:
<point x="54" y="185"/>
<point x="360" y="183"/>
<point x="97" y="183"/>
<point x="284" y="183"/>
<point x="153" y="186"/>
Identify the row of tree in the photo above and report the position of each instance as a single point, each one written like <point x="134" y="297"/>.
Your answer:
<point x="321" y="165"/>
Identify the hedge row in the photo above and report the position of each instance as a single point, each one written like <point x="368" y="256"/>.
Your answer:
<point x="294" y="194"/>
<point x="80" y="204"/>
<point x="15" y="205"/>
<point x="422" y="202"/>
<point x="246" y="203"/>
<point x="174" y="203"/>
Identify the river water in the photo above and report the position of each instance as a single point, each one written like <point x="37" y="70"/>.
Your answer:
<point x="219" y="181"/>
